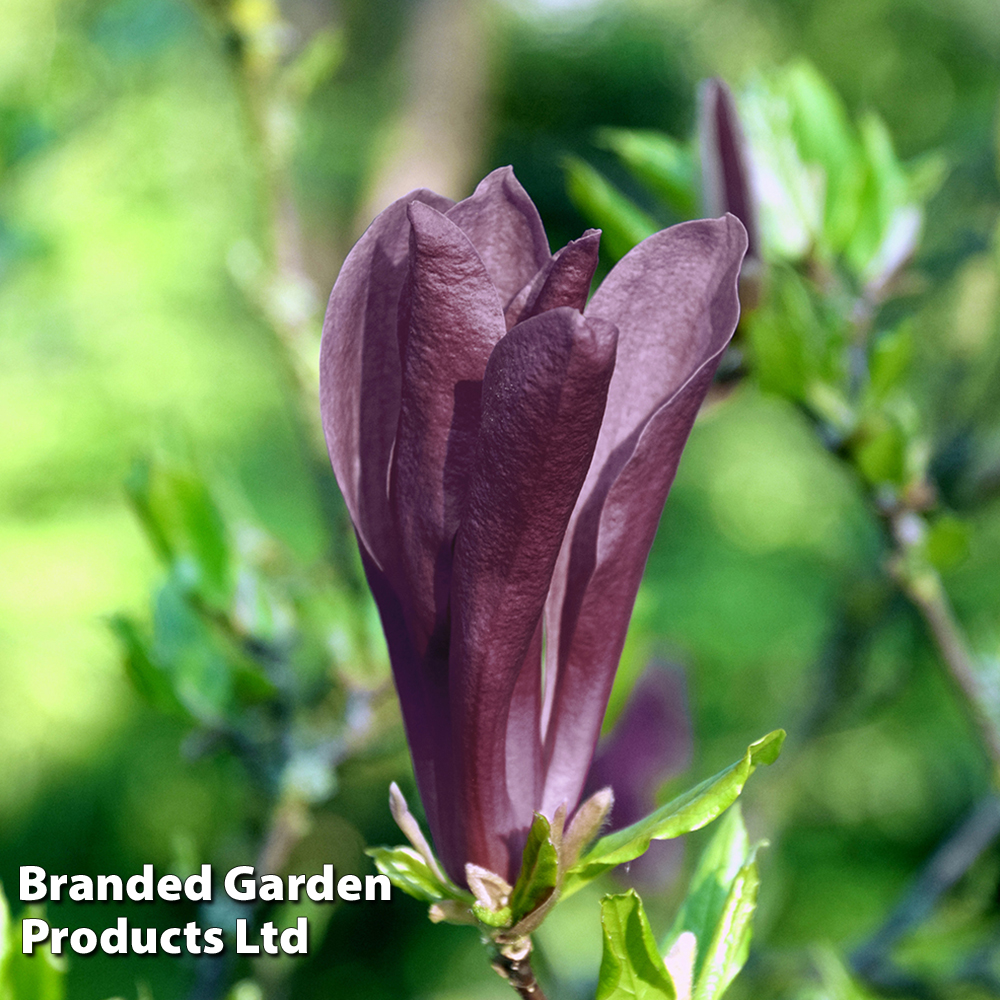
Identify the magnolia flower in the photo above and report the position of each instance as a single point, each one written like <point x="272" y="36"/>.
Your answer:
<point x="504" y="449"/>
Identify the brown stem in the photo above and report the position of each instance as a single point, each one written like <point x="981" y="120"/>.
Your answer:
<point x="926" y="592"/>
<point x="956" y="855"/>
<point x="516" y="969"/>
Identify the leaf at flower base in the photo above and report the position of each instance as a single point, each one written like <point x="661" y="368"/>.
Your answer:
<point x="539" y="870"/>
<point x="623" y="223"/>
<point x="728" y="948"/>
<point x="718" y="907"/>
<point x="718" y="865"/>
<point x="690" y="811"/>
<point x="408" y="871"/>
<point x="631" y="967"/>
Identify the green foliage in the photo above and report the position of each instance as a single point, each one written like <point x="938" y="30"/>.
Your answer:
<point x="623" y="223"/>
<point x="718" y="908"/>
<point x="39" y="976"/>
<point x="662" y="164"/>
<point x="690" y="811"/>
<point x="409" y="871"/>
<point x="539" y="875"/>
<point x="631" y="967"/>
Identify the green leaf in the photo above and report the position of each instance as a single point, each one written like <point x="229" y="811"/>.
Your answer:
<point x="728" y="948"/>
<point x="408" y="871"/>
<point x="791" y="193"/>
<point x="539" y="870"/>
<point x="787" y="339"/>
<point x="885" y="192"/>
<point x="948" y="542"/>
<point x="200" y="672"/>
<point x="881" y="450"/>
<point x="718" y="865"/>
<point x="688" y="812"/>
<point x="149" y="678"/>
<point x="185" y="526"/>
<point x="631" y="967"/>
<point x="662" y="164"/>
<point x="718" y="907"/>
<point x="889" y="362"/>
<point x="825" y="139"/>
<point x="624" y="224"/>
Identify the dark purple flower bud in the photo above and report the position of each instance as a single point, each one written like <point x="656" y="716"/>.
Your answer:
<point x="504" y="454"/>
<point x="725" y="176"/>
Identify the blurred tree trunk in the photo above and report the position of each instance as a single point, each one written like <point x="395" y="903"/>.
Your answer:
<point x="437" y="141"/>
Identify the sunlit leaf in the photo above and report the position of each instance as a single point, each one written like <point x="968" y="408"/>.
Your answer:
<point x="38" y="976"/>
<point x="718" y="907"/>
<point x="688" y="812"/>
<point x="185" y="526"/>
<point x="408" y="871"/>
<point x="539" y="870"/>
<point x="631" y="967"/>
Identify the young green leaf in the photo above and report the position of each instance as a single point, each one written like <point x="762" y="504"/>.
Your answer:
<point x="718" y="865"/>
<point x="539" y="870"/>
<point x="150" y="679"/>
<point x="623" y="223"/>
<point x="186" y="527"/>
<point x="631" y="967"/>
<point x="408" y="871"/>
<point x="662" y="164"/>
<point x="718" y="907"/>
<point x="728" y="948"/>
<point x="690" y="811"/>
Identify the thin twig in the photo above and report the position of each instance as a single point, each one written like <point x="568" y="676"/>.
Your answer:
<point x="947" y="865"/>
<point x="927" y="594"/>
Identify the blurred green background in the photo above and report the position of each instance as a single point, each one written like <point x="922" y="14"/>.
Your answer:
<point x="179" y="183"/>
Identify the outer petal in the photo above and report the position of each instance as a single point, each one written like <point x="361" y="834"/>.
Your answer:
<point x="360" y="370"/>
<point x="506" y="229"/>
<point x="422" y="685"/>
<point x="543" y="400"/>
<point x="674" y="300"/>
<point x="450" y="321"/>
<point x="563" y="281"/>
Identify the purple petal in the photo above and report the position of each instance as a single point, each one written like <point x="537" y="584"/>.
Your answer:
<point x="543" y="401"/>
<point x="450" y="320"/>
<point x="563" y="281"/>
<point x="725" y="173"/>
<point x="422" y="685"/>
<point x="674" y="300"/>
<point x="360" y="370"/>
<point x="504" y="226"/>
